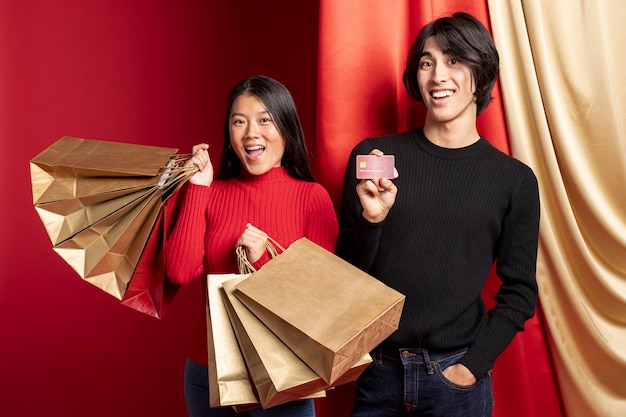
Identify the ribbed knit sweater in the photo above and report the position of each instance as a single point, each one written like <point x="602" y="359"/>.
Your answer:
<point x="211" y="219"/>
<point x="456" y="212"/>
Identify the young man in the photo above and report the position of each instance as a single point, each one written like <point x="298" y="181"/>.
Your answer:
<point x="434" y="232"/>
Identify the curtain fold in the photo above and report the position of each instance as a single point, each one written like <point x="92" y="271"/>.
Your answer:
<point x="363" y="45"/>
<point x="565" y="96"/>
<point x="361" y="48"/>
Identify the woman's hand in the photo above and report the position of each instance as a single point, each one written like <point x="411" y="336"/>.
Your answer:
<point x="200" y="158"/>
<point x="377" y="195"/>
<point x="254" y="241"/>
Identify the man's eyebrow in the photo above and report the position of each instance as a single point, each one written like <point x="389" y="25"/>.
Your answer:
<point x="429" y="54"/>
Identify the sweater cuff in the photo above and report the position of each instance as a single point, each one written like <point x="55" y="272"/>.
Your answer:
<point x="200" y="192"/>
<point x="368" y="233"/>
<point x="265" y="258"/>
<point x="366" y="226"/>
<point x="476" y="362"/>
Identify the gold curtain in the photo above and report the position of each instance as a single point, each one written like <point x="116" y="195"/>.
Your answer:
<point x="564" y="87"/>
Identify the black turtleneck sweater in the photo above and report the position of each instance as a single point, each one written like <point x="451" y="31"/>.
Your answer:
<point x="456" y="212"/>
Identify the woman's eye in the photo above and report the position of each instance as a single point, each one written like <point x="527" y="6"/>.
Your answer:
<point x="426" y="64"/>
<point x="237" y="122"/>
<point x="266" y="120"/>
<point x="453" y="61"/>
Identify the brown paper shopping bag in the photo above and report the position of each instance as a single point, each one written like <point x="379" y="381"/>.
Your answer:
<point x="64" y="219"/>
<point x="327" y="311"/>
<point x="77" y="182"/>
<point x="149" y="290"/>
<point x="87" y="171"/>
<point x="279" y="376"/>
<point x="105" y="254"/>
<point x="99" y="201"/>
<point x="71" y="157"/>
<point x="229" y="381"/>
<point x="248" y="365"/>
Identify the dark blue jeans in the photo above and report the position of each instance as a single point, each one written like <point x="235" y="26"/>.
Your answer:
<point x="410" y="382"/>
<point x="197" y="399"/>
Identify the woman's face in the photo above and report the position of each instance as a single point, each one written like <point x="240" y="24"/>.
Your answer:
<point x="254" y="136"/>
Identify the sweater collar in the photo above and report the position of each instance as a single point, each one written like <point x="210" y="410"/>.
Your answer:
<point x="273" y="175"/>
<point x="447" y="153"/>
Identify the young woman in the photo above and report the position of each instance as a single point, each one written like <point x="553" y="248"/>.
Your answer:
<point x="264" y="187"/>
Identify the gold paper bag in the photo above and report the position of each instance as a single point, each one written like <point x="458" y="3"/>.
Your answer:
<point x="229" y="380"/>
<point x="99" y="200"/>
<point x="106" y="253"/>
<point x="327" y="311"/>
<point x="63" y="219"/>
<point x="77" y="157"/>
<point x="77" y="182"/>
<point x="89" y="171"/>
<point x="279" y="376"/>
<point x="149" y="290"/>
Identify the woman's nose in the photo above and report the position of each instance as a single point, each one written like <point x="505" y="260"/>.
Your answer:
<point x="252" y="130"/>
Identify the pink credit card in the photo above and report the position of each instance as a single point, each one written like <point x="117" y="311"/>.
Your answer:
<point x="372" y="166"/>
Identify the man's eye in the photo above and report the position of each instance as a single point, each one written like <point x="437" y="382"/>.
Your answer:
<point x="426" y="64"/>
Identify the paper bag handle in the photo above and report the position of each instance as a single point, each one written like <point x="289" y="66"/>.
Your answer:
<point x="245" y="266"/>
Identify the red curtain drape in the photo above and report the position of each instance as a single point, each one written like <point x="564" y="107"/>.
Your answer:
<point x="362" y="51"/>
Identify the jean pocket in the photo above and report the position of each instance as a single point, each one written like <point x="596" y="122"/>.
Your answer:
<point x="462" y="400"/>
<point x="443" y="364"/>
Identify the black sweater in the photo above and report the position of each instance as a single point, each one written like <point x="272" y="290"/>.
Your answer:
<point x="456" y="212"/>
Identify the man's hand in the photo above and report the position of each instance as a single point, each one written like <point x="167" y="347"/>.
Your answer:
<point x="460" y="375"/>
<point x="377" y="195"/>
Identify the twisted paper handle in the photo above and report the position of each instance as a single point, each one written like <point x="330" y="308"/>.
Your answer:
<point x="175" y="174"/>
<point x="245" y="267"/>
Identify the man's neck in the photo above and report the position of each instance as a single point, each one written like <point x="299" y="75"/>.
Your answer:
<point x="452" y="135"/>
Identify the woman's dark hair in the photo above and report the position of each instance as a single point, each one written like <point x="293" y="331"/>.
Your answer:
<point x="465" y="38"/>
<point x="281" y="107"/>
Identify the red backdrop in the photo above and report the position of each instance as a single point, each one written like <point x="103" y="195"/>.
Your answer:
<point x="157" y="72"/>
<point x="142" y="71"/>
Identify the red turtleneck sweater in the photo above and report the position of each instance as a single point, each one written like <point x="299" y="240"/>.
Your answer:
<point x="211" y="219"/>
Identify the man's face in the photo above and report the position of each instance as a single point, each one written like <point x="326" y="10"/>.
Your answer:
<point x="446" y="85"/>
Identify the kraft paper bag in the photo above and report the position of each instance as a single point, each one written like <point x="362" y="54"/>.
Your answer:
<point x="88" y="171"/>
<point x="327" y="311"/>
<point x="149" y="290"/>
<point x="229" y="381"/>
<point x="64" y="219"/>
<point x="77" y="182"/>
<point x="105" y="254"/>
<point x="50" y="187"/>
<point x="78" y="157"/>
<point x="99" y="201"/>
<point x="279" y="376"/>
